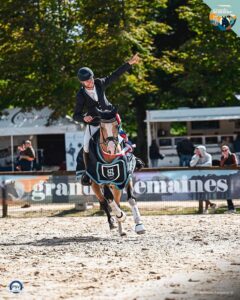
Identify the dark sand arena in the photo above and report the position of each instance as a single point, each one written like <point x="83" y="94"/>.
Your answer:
<point x="180" y="257"/>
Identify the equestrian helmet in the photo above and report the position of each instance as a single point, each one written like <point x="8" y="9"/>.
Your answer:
<point x="84" y="74"/>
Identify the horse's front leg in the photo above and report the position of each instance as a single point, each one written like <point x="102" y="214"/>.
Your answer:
<point x="117" y="196"/>
<point x="139" y="227"/>
<point x="114" y="204"/>
<point x="103" y="203"/>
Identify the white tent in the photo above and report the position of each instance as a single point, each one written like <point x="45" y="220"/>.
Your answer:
<point x="15" y="122"/>
<point x="155" y="119"/>
<point x="190" y="114"/>
<point x="193" y="114"/>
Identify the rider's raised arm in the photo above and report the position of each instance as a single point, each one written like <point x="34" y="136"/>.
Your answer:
<point x="117" y="73"/>
<point x="78" y="114"/>
<point x="106" y="81"/>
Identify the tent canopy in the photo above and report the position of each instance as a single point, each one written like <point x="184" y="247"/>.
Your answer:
<point x="193" y="114"/>
<point x="17" y="122"/>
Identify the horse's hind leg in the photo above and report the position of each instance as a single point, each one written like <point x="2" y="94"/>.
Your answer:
<point x="139" y="227"/>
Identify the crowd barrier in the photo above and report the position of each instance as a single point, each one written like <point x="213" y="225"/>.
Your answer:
<point x="162" y="184"/>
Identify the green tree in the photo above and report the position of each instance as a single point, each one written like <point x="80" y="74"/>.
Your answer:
<point x="112" y="31"/>
<point x="210" y="62"/>
<point x="37" y="54"/>
<point x="185" y="62"/>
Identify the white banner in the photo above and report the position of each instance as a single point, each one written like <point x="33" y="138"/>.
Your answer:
<point x="73" y="143"/>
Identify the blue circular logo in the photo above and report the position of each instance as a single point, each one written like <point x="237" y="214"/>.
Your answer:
<point x="16" y="286"/>
<point x="222" y="18"/>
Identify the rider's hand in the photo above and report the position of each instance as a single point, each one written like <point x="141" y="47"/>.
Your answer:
<point x="87" y="119"/>
<point x="225" y="155"/>
<point x="134" y="60"/>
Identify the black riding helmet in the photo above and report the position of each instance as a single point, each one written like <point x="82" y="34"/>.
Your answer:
<point x="85" y="74"/>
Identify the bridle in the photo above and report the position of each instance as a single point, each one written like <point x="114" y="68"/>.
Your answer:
<point x="105" y="140"/>
<point x="108" y="139"/>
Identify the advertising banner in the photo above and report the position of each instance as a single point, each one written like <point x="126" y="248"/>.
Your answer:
<point x="192" y="184"/>
<point x="169" y="185"/>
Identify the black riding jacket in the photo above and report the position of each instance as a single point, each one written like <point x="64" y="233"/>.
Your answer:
<point x="84" y="101"/>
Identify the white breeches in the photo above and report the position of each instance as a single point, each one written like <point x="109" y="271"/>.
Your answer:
<point x="89" y="132"/>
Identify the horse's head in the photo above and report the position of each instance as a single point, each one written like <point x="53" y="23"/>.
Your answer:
<point x="109" y="128"/>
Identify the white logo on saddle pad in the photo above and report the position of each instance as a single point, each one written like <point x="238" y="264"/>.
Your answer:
<point x="111" y="172"/>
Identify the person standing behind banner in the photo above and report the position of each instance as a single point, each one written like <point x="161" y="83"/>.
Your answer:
<point x="154" y="154"/>
<point x="21" y="149"/>
<point x="203" y="159"/>
<point x="236" y="146"/>
<point x="185" y="150"/>
<point x="27" y="157"/>
<point x="228" y="159"/>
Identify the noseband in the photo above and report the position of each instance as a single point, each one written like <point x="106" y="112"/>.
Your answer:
<point x="106" y="140"/>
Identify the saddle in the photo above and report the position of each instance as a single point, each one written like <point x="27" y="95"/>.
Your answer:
<point x="118" y="172"/>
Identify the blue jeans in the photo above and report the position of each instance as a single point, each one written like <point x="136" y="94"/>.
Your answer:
<point x="154" y="163"/>
<point x="185" y="160"/>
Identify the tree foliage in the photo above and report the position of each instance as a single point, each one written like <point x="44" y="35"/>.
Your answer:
<point x="38" y="53"/>
<point x="185" y="62"/>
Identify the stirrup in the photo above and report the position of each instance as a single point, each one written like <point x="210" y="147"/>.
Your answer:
<point x="85" y="180"/>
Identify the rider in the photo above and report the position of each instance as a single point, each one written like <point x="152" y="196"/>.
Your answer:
<point x="92" y="96"/>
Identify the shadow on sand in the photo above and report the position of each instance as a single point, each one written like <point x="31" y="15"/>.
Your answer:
<point x="55" y="241"/>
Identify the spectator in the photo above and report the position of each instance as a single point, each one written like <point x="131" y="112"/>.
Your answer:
<point x="228" y="159"/>
<point x="227" y="141"/>
<point x="154" y="154"/>
<point x="27" y="156"/>
<point x="236" y="145"/>
<point x="21" y="149"/>
<point x="185" y="150"/>
<point x="203" y="159"/>
<point x="161" y="132"/>
<point x="62" y="166"/>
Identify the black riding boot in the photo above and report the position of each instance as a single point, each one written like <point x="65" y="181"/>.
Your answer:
<point x="85" y="178"/>
<point x="139" y="164"/>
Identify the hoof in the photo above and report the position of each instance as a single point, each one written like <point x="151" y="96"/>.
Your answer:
<point x="140" y="229"/>
<point x="112" y="226"/>
<point x="122" y="218"/>
<point x="111" y="223"/>
<point x="120" y="230"/>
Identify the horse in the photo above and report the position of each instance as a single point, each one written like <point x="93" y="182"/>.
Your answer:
<point x="111" y="169"/>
